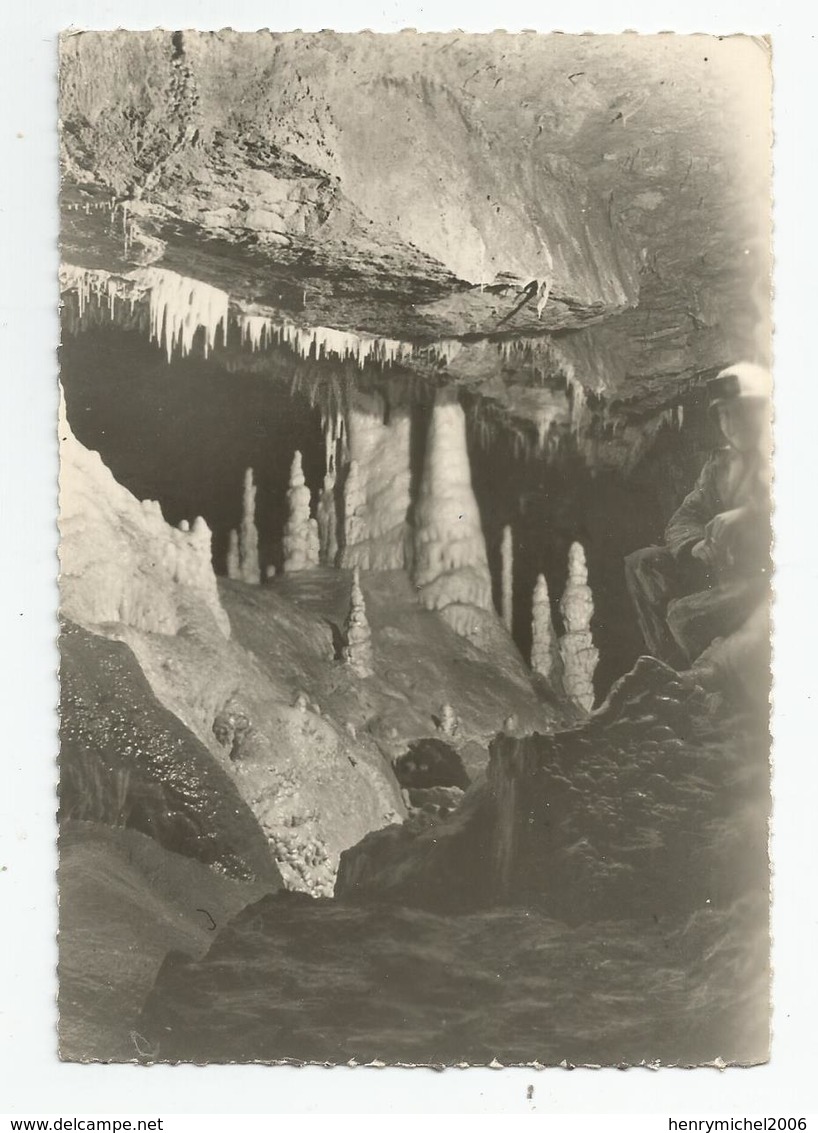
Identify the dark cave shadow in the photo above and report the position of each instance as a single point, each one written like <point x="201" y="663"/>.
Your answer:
<point x="338" y="642"/>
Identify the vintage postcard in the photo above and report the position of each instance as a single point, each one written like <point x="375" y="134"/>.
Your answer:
<point x="415" y="548"/>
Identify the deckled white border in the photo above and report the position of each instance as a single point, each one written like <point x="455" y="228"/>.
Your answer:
<point x="34" y="1081"/>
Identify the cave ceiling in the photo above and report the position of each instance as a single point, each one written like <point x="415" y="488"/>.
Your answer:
<point x="581" y="208"/>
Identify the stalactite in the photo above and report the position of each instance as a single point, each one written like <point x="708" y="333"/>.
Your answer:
<point x="577" y="650"/>
<point x="357" y="652"/>
<point x="507" y="578"/>
<point x="180" y="306"/>
<point x="544" y="648"/>
<point x="254" y="331"/>
<point x="248" y="533"/>
<point x="89" y="284"/>
<point x="259" y="331"/>
<point x="442" y="350"/>
<point x="327" y="519"/>
<point x="301" y="542"/>
<point x="450" y="562"/>
<point x="233" y="558"/>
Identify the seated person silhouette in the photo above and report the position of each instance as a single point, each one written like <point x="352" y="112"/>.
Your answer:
<point x="712" y="573"/>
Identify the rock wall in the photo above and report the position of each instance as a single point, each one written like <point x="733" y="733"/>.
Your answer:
<point x="119" y="561"/>
<point x="657" y="806"/>
<point x="376" y="494"/>
<point x="313" y="788"/>
<point x="620" y="920"/>
<point x="163" y="782"/>
<point x="429" y="169"/>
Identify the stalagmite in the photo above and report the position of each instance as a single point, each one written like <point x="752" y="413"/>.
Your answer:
<point x="357" y="652"/>
<point x="327" y="522"/>
<point x="449" y="722"/>
<point x="233" y="558"/>
<point x="507" y="578"/>
<point x="250" y="571"/>
<point x="450" y="563"/>
<point x="301" y="542"/>
<point x="544" y="649"/>
<point x="377" y="488"/>
<point x="577" y="650"/>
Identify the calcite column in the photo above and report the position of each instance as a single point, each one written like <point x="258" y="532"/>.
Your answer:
<point x="450" y="562"/>
<point x="577" y="650"/>
<point x="327" y="519"/>
<point x="250" y="570"/>
<point x="301" y="544"/>
<point x="376" y="490"/>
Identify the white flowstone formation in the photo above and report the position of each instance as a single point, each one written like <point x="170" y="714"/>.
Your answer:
<point x="249" y="568"/>
<point x="544" y="649"/>
<point x="507" y="578"/>
<point x="357" y="652"/>
<point x="120" y="561"/>
<point x="577" y="650"/>
<point x="233" y="556"/>
<point x="450" y="562"/>
<point x="377" y="488"/>
<point x="301" y="542"/>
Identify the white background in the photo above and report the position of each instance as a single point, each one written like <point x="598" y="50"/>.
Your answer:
<point x="31" y="1078"/>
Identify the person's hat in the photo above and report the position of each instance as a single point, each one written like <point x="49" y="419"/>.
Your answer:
<point x="745" y="381"/>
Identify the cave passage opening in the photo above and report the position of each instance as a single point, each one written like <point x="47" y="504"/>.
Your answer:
<point x="611" y="507"/>
<point x="184" y="433"/>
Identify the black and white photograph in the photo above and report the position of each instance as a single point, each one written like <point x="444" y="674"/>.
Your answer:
<point x="415" y="548"/>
